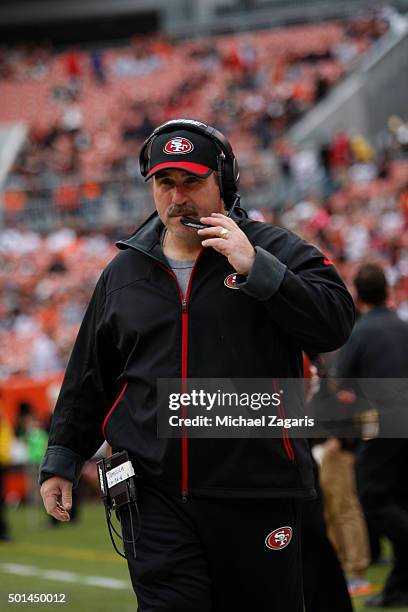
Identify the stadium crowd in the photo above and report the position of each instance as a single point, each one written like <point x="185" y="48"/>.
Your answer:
<point x="97" y="106"/>
<point x="82" y="154"/>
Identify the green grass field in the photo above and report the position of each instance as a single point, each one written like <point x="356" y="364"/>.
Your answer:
<point x="78" y="556"/>
<point x="83" y="549"/>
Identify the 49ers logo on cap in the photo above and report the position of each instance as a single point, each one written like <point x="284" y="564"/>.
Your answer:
<point x="231" y="281"/>
<point x="178" y="145"/>
<point x="279" y="538"/>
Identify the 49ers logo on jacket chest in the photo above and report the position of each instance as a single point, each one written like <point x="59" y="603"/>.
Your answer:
<point x="231" y="281"/>
<point x="279" y="538"/>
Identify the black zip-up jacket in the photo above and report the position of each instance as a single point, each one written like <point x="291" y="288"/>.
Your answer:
<point x="138" y="328"/>
<point x="377" y="348"/>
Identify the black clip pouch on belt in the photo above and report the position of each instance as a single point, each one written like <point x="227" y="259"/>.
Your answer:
<point x="117" y="483"/>
<point x="117" y="480"/>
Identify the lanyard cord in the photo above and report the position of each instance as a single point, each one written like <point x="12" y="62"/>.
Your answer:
<point x="111" y="529"/>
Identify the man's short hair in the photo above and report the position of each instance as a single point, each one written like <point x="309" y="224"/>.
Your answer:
<point x="371" y="284"/>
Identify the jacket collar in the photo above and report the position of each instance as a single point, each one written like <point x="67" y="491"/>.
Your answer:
<point x="146" y="235"/>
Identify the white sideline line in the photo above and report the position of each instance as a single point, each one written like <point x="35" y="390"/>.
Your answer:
<point x="96" y="581"/>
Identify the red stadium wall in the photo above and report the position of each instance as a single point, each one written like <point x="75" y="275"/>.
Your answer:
<point x="40" y="394"/>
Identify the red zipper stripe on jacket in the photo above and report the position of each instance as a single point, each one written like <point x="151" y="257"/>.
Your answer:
<point x="113" y="407"/>
<point x="285" y="438"/>
<point x="184" y="358"/>
<point x="286" y="441"/>
<point x="184" y="369"/>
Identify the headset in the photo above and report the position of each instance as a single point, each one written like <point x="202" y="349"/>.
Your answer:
<point x="228" y="170"/>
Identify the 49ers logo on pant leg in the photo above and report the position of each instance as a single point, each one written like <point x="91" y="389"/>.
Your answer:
<point x="279" y="538"/>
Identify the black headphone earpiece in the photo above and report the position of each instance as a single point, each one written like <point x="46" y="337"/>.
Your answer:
<point x="228" y="170"/>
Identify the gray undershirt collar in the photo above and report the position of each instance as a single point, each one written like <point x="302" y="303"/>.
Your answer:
<point x="182" y="268"/>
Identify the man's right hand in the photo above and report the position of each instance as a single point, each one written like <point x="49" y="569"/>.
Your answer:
<point x="53" y="489"/>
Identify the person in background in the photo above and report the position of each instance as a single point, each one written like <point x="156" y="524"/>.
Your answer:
<point x="344" y="518"/>
<point x="35" y="438"/>
<point x="378" y="349"/>
<point x="6" y="438"/>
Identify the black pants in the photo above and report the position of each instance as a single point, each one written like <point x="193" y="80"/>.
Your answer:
<point x="325" y="587"/>
<point x="383" y="490"/>
<point x="211" y="555"/>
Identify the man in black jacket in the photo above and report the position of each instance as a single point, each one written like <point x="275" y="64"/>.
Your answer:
<point x="378" y="349"/>
<point x="234" y="299"/>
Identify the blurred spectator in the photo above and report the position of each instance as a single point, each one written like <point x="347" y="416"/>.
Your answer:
<point x="35" y="438"/>
<point x="72" y="118"/>
<point x="344" y="518"/>
<point x="6" y="438"/>
<point x="44" y="356"/>
<point x="252" y="87"/>
<point x="91" y="201"/>
<point x="73" y="71"/>
<point x="97" y="65"/>
<point x="339" y="154"/>
<point x="378" y="349"/>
